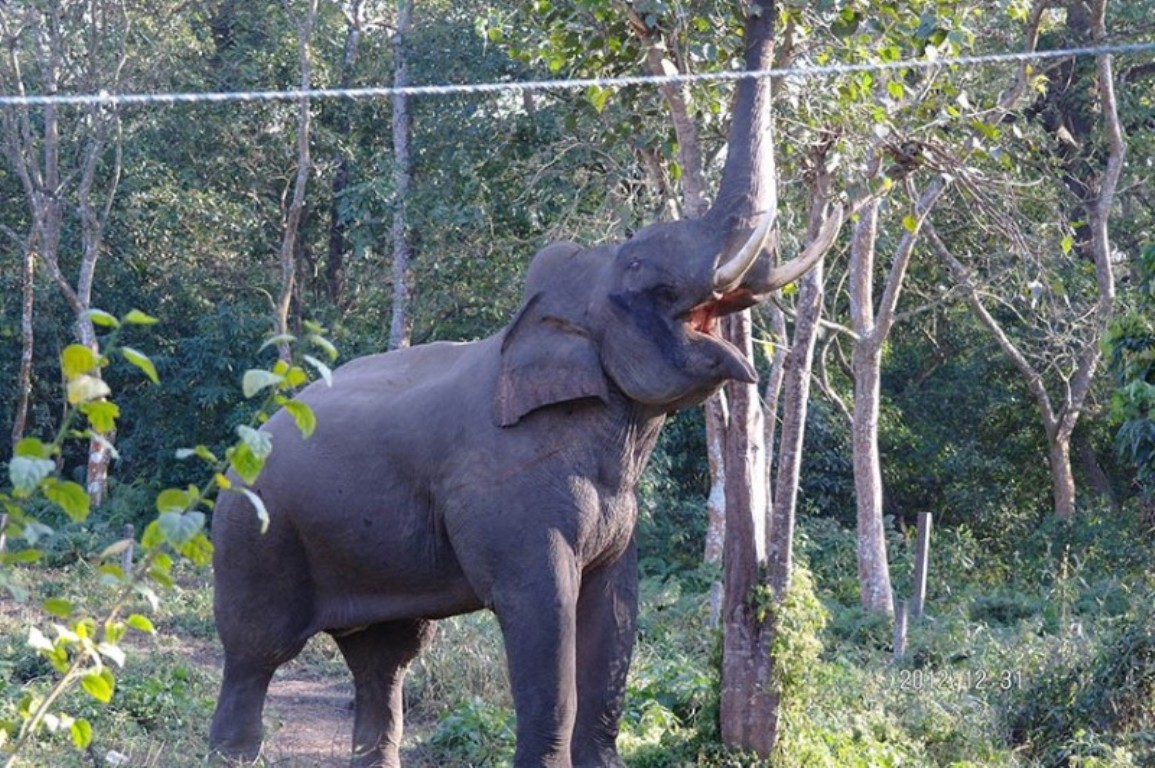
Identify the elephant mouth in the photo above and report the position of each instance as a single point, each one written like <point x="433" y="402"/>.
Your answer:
<point x="703" y="318"/>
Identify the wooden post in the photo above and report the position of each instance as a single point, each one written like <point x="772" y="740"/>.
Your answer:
<point x="921" y="560"/>
<point x="3" y="534"/>
<point x="127" y="555"/>
<point x="900" y="615"/>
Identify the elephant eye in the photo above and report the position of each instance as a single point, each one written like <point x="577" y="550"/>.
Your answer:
<point x="665" y="293"/>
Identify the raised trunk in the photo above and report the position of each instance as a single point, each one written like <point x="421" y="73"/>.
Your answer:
<point x="750" y="701"/>
<point x="399" y="320"/>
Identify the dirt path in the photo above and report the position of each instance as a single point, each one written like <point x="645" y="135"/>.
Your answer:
<point x="309" y="721"/>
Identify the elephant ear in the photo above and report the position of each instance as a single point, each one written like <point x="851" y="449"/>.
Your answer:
<point x="545" y="359"/>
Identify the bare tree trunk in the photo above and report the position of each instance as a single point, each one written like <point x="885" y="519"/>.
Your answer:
<point x="871" y="327"/>
<point x="27" y="339"/>
<point x="399" y="328"/>
<point x="291" y="226"/>
<point x="750" y="701"/>
<point x="335" y="259"/>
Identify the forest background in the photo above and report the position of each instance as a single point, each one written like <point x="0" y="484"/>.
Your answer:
<point x="1009" y="360"/>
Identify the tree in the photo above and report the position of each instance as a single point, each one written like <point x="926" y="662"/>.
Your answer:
<point x="68" y="161"/>
<point x="1064" y="326"/>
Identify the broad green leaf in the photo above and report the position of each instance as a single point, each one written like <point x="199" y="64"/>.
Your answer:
<point x="20" y="556"/>
<point x="258" y="505"/>
<point x="84" y="388"/>
<point x="81" y="732"/>
<point x="99" y="684"/>
<point x="25" y="473"/>
<point x="598" y="97"/>
<point x="101" y="414"/>
<point x="303" y="415"/>
<point x="152" y="536"/>
<point x="136" y="317"/>
<point x="58" y="607"/>
<point x="323" y="370"/>
<point x="112" y="652"/>
<point x="141" y="361"/>
<point x="201" y="452"/>
<point x="296" y="377"/>
<point x="77" y="359"/>
<point x="245" y="464"/>
<point x="140" y="623"/>
<point x="909" y="223"/>
<point x="33" y="448"/>
<point x="100" y="317"/>
<point x="895" y="89"/>
<point x="70" y="496"/>
<point x="173" y="500"/>
<point x="260" y="443"/>
<point x="1067" y="244"/>
<point x="256" y="379"/>
<point x="198" y="551"/>
<point x="179" y="529"/>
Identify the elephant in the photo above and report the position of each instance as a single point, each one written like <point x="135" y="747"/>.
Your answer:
<point x="494" y="474"/>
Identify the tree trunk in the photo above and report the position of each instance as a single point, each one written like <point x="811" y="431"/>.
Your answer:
<point x="1062" y="476"/>
<point x="292" y="219"/>
<point x="27" y="341"/>
<point x="873" y="568"/>
<point x="749" y="705"/>
<point x="399" y="328"/>
<point x="335" y="260"/>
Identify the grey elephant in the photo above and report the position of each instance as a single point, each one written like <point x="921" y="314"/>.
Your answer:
<point x="496" y="474"/>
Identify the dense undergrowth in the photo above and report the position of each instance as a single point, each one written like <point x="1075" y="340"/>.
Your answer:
<point x="1040" y="655"/>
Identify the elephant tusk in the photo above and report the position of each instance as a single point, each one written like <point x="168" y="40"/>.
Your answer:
<point x="784" y="274"/>
<point x="729" y="274"/>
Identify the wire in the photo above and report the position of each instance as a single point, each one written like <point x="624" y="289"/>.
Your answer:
<point x="125" y="99"/>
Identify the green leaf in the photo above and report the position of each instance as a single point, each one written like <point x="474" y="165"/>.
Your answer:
<point x="85" y="388"/>
<point x="1067" y="244"/>
<point x="303" y="415"/>
<point x="598" y="97"/>
<point x="101" y="414"/>
<point x="57" y="606"/>
<point x="198" y="551"/>
<point x="201" y="452"/>
<point x="258" y="505"/>
<point x="26" y="473"/>
<point x="909" y="223"/>
<point x="99" y="684"/>
<point x="256" y="379"/>
<point x="179" y="529"/>
<point x="895" y="89"/>
<point x="280" y="338"/>
<point x="260" y="443"/>
<point x="325" y="345"/>
<point x="141" y="623"/>
<point x="173" y="500"/>
<point x="77" y="359"/>
<point x="81" y="732"/>
<point x="70" y="496"/>
<point x="112" y="652"/>
<point x="136" y="317"/>
<point x="323" y="370"/>
<point x="33" y="448"/>
<point x="141" y="361"/>
<point x="245" y="464"/>
<point x="100" y="317"/>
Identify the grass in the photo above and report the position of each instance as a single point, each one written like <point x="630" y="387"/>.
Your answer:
<point x="1053" y="665"/>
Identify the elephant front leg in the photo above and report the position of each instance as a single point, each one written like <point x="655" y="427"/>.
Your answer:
<point x="379" y="656"/>
<point x="537" y="620"/>
<point x="607" y="614"/>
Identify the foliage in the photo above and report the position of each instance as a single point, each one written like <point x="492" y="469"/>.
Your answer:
<point x="1131" y="348"/>
<point x="84" y="650"/>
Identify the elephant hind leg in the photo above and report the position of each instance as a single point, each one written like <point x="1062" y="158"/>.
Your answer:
<point x="235" y="733"/>
<point x="379" y="656"/>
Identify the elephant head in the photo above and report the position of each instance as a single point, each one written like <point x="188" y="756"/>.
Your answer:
<point x="639" y="317"/>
